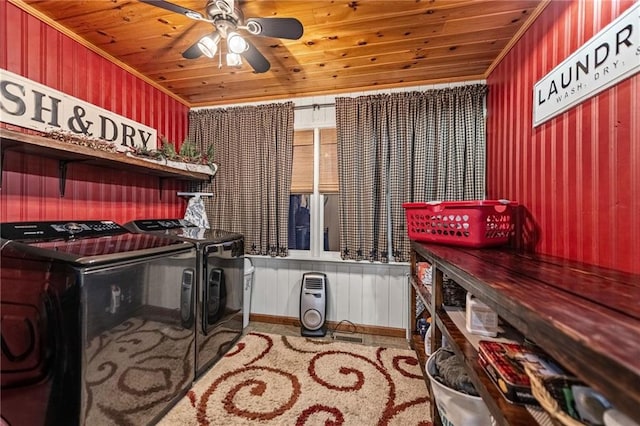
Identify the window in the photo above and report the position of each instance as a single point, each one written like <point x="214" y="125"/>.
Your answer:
<point x="331" y="232"/>
<point x="299" y="221"/>
<point x="314" y="215"/>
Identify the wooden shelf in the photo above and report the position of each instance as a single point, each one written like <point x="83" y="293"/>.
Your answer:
<point x="423" y="293"/>
<point x="418" y="345"/>
<point x="586" y="317"/>
<point x="465" y="348"/>
<point x="68" y="153"/>
<point x="504" y="412"/>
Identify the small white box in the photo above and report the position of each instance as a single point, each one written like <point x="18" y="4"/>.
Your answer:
<point x="481" y="319"/>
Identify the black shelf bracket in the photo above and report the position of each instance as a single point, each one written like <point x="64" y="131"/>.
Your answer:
<point x="62" y="174"/>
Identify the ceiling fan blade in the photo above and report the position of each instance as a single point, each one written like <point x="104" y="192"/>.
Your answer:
<point x="256" y="59"/>
<point x="192" y="52"/>
<point x="175" y="8"/>
<point x="289" y="28"/>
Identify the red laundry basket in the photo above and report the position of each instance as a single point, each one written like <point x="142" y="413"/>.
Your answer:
<point x="477" y="224"/>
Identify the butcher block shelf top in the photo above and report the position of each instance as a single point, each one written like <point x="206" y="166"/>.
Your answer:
<point x="51" y="148"/>
<point x="586" y="317"/>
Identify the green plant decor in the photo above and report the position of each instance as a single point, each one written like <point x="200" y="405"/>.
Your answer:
<point x="146" y="152"/>
<point x="209" y="158"/>
<point x="209" y="153"/>
<point x="189" y="152"/>
<point x="168" y="149"/>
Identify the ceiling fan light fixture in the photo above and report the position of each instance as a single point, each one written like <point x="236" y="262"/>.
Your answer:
<point x="209" y="45"/>
<point x="236" y="43"/>
<point x="254" y="27"/>
<point x="224" y="7"/>
<point x="227" y="19"/>
<point x="234" y="60"/>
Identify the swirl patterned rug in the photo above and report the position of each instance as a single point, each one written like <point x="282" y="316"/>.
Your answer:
<point x="279" y="380"/>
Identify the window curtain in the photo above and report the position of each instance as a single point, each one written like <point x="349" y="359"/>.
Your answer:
<point x="253" y="148"/>
<point x="405" y="147"/>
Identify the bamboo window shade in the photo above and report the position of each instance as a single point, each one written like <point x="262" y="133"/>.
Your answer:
<point x="302" y="173"/>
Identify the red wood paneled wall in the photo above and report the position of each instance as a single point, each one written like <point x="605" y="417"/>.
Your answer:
<point x="577" y="175"/>
<point x="30" y="183"/>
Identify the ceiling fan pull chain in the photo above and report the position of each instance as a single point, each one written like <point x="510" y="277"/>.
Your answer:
<point x="219" y="59"/>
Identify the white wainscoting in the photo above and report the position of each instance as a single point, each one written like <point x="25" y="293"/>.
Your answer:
<point x="364" y="293"/>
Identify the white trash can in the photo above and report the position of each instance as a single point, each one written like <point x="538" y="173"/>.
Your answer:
<point x="249" y="270"/>
<point x="457" y="408"/>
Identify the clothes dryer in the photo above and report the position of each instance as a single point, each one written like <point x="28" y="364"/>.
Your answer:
<point x="220" y="284"/>
<point x="95" y="323"/>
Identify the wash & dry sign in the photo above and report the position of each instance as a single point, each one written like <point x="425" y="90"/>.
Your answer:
<point x="608" y="58"/>
<point x="28" y="104"/>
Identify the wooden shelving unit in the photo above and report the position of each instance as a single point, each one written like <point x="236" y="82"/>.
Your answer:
<point x="67" y="153"/>
<point x="584" y="316"/>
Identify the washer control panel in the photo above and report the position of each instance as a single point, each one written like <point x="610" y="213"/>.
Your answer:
<point x="149" y="225"/>
<point x="66" y="230"/>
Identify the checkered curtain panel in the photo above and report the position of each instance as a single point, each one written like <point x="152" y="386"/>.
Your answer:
<point x="253" y="148"/>
<point x="404" y="147"/>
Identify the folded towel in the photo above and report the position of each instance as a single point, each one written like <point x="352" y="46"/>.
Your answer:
<point x="196" y="213"/>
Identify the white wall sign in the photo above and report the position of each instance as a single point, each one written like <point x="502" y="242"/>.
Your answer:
<point x="28" y="104"/>
<point x="608" y="58"/>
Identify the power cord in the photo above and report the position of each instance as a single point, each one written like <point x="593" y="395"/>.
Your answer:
<point x="353" y="326"/>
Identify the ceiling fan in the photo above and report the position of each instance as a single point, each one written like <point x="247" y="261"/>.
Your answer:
<point x="227" y="20"/>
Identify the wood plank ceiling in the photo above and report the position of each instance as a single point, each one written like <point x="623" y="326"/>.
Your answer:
<point x="347" y="46"/>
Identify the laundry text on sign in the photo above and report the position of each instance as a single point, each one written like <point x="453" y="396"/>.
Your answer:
<point x="607" y="58"/>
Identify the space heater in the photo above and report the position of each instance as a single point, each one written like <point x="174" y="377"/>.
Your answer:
<point x="313" y="304"/>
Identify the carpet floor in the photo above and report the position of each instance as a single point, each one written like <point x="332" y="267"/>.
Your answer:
<point x="269" y="379"/>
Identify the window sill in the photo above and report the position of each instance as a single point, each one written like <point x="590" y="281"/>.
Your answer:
<point x="333" y="257"/>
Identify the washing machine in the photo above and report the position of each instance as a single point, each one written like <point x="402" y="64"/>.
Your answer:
<point x="97" y="323"/>
<point x="219" y="284"/>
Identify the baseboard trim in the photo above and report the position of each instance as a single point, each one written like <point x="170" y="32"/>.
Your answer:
<point x="331" y="325"/>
